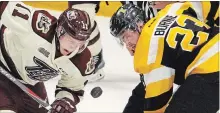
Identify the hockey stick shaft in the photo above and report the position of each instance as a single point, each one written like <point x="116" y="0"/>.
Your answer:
<point x="23" y="87"/>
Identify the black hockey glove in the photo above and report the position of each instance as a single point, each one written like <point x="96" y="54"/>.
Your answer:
<point x="64" y="105"/>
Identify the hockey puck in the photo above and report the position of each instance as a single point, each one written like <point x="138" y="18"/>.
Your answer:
<point x="96" y="92"/>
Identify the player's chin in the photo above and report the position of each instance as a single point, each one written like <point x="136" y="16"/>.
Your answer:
<point x="131" y="52"/>
<point x="64" y="52"/>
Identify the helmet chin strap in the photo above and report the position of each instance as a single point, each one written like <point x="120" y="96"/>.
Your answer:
<point x="57" y="42"/>
<point x="57" y="37"/>
<point x="139" y="28"/>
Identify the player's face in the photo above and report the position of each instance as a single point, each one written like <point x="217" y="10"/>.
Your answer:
<point x="130" y="38"/>
<point x="68" y="44"/>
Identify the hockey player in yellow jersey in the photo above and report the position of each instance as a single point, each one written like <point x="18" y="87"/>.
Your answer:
<point x="173" y="47"/>
<point x="206" y="11"/>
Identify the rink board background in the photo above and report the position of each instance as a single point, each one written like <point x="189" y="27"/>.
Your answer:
<point x="106" y="8"/>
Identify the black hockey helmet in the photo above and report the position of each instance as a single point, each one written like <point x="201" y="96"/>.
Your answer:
<point x="126" y="17"/>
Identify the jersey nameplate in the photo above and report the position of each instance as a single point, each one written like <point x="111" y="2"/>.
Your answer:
<point x="164" y="25"/>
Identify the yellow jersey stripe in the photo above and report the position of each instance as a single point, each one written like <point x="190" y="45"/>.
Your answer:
<point x="213" y="42"/>
<point x="207" y="7"/>
<point x="209" y="66"/>
<point x="161" y="110"/>
<point x="159" y="87"/>
<point x="158" y="102"/>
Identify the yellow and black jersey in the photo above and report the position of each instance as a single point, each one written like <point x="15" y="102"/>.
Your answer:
<point x="172" y="46"/>
<point x="211" y="12"/>
<point x="206" y="11"/>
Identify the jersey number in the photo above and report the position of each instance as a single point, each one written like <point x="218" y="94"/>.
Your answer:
<point x="188" y="42"/>
<point x="19" y="14"/>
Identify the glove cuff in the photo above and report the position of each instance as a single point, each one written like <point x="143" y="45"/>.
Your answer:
<point x="69" y="96"/>
<point x="63" y="105"/>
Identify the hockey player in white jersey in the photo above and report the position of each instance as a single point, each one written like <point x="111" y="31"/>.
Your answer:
<point x="36" y="47"/>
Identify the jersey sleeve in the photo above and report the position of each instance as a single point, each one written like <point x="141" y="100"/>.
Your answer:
<point x="207" y="11"/>
<point x="72" y="84"/>
<point x="159" y="89"/>
<point x="158" y="78"/>
<point x="17" y="17"/>
<point x="23" y="20"/>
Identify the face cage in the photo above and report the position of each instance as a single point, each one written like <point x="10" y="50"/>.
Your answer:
<point x="119" y="37"/>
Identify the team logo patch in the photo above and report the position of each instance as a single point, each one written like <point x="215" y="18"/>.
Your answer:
<point x="71" y="15"/>
<point x="43" y="23"/>
<point x="41" y="72"/>
<point x="90" y="66"/>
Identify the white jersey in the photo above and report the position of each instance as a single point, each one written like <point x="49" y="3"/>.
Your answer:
<point x="28" y="48"/>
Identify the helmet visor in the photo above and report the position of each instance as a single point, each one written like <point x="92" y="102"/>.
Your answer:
<point x="120" y="36"/>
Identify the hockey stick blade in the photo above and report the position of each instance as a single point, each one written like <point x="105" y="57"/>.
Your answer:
<point x="24" y="88"/>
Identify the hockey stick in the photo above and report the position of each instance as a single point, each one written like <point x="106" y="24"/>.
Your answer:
<point x="24" y="88"/>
